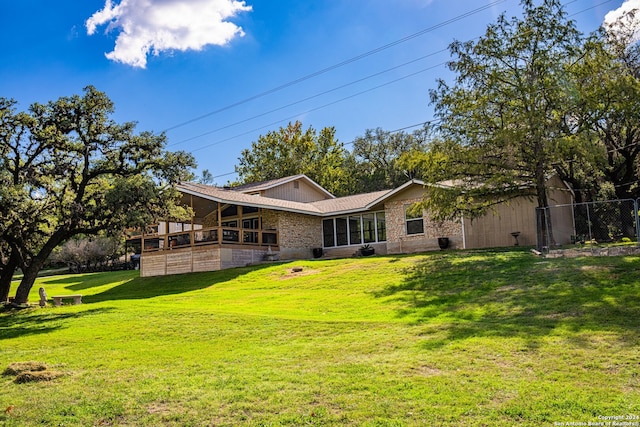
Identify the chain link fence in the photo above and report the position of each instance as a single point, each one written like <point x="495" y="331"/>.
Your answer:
<point x="594" y="223"/>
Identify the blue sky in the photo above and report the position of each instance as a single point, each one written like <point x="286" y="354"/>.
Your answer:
<point x="216" y="74"/>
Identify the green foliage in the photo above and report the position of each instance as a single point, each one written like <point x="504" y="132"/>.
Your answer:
<point x="606" y="86"/>
<point x="503" y="118"/>
<point x="292" y="151"/>
<point x="81" y="252"/>
<point x="497" y="338"/>
<point x="378" y="155"/>
<point x="206" y="177"/>
<point x="69" y="169"/>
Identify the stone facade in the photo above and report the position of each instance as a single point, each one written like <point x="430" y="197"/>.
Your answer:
<point x="298" y="234"/>
<point x="398" y="241"/>
<point x="269" y="219"/>
<point x="593" y="251"/>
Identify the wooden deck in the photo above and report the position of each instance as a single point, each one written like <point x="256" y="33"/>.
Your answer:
<point x="209" y="236"/>
<point x="204" y="249"/>
<point x="191" y="259"/>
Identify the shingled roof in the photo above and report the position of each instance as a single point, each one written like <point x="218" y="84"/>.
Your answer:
<point x="266" y="185"/>
<point x="348" y="204"/>
<point x="329" y="207"/>
<point x="223" y="195"/>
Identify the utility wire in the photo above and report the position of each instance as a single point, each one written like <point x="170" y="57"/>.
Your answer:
<point x="589" y="8"/>
<point x="338" y="65"/>
<point x="357" y="58"/>
<point x="310" y="97"/>
<point x="330" y="90"/>
<point x="340" y="87"/>
<point x="319" y="108"/>
<point x="354" y="140"/>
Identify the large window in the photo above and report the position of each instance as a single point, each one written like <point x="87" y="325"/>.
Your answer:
<point x="381" y="227"/>
<point x="413" y="219"/>
<point x="354" y="230"/>
<point x="342" y="232"/>
<point x="328" y="233"/>
<point x="369" y="228"/>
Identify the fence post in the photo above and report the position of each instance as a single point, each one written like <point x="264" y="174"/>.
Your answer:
<point x="542" y="216"/>
<point x="635" y="214"/>
<point x="540" y="231"/>
<point x="589" y="223"/>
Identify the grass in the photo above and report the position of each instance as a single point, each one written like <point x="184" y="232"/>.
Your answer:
<point x="486" y="338"/>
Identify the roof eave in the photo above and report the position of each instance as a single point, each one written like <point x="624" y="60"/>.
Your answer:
<point x="395" y="191"/>
<point x="291" y="179"/>
<point x="253" y="205"/>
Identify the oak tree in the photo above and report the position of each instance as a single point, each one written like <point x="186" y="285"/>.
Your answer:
<point x="503" y="118"/>
<point x="292" y="151"/>
<point x="71" y="170"/>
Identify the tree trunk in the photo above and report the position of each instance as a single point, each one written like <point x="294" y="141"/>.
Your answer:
<point x="30" y="274"/>
<point x="30" y="271"/>
<point x="625" y="212"/>
<point x="7" y="275"/>
<point x="543" y="203"/>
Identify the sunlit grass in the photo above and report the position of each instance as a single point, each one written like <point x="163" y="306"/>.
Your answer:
<point x="449" y="338"/>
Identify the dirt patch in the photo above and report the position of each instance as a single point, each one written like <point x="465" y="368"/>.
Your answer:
<point x="27" y="372"/>
<point x="160" y="408"/>
<point x="297" y="272"/>
<point x="426" y="371"/>
<point x="37" y="376"/>
<point x="596" y="268"/>
<point x="18" y="368"/>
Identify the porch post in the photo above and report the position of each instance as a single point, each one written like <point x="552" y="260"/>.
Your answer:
<point x="219" y="224"/>
<point x="240" y="225"/>
<point x="192" y="234"/>
<point x="259" y="226"/>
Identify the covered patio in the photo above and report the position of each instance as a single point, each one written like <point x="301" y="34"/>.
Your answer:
<point x="219" y="235"/>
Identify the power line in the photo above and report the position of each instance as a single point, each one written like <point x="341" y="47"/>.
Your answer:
<point x="589" y="8"/>
<point x="339" y="87"/>
<point x="333" y="89"/>
<point x="354" y="140"/>
<point x="311" y="97"/>
<point x="338" y="65"/>
<point x="320" y="107"/>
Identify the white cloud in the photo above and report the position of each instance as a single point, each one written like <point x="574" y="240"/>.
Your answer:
<point x="627" y="6"/>
<point x="155" y="26"/>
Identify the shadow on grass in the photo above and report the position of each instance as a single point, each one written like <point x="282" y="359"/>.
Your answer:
<point x="515" y="294"/>
<point x="82" y="281"/>
<point x="38" y="321"/>
<point x="150" y="287"/>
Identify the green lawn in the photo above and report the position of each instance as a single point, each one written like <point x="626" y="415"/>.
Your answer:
<point x="487" y="338"/>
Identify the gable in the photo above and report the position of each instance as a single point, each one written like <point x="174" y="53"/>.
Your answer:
<point x="410" y="192"/>
<point x="298" y="190"/>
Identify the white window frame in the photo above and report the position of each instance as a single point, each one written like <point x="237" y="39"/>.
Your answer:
<point x="408" y="219"/>
<point x="347" y="217"/>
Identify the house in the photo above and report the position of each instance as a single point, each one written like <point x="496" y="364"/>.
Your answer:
<point x="289" y="218"/>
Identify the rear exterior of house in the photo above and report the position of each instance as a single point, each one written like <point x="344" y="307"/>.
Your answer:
<point x="295" y="218"/>
<point x="501" y="226"/>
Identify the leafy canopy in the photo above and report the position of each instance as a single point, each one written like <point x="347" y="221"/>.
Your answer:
<point x="503" y="117"/>
<point x="292" y="151"/>
<point x="69" y="169"/>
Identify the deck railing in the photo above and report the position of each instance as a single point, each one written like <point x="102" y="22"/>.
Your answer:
<point x="209" y="236"/>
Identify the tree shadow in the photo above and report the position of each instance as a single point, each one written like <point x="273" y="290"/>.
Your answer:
<point x="39" y="321"/>
<point x="82" y="281"/>
<point x="151" y="287"/>
<point x="515" y="294"/>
